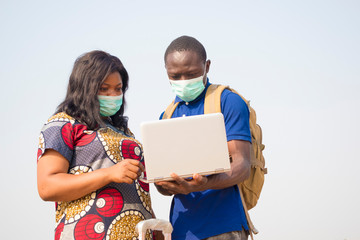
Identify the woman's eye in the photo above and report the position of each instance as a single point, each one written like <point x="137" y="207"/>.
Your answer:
<point x="119" y="89"/>
<point x="103" y="89"/>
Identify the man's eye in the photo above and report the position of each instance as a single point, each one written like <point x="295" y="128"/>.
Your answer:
<point x="192" y="75"/>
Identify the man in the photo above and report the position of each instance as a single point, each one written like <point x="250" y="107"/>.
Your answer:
<point x="206" y="207"/>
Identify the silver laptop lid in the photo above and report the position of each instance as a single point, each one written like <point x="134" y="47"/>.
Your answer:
<point x="185" y="145"/>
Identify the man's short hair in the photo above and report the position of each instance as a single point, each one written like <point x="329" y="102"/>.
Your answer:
<point x="186" y="43"/>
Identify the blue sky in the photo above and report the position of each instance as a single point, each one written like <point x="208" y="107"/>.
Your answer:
<point x="297" y="61"/>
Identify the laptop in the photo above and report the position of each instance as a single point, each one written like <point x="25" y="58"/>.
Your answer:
<point x="184" y="145"/>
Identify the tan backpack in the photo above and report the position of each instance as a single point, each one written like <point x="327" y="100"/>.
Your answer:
<point x="251" y="188"/>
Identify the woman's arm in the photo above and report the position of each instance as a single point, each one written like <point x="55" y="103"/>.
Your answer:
<point x="56" y="184"/>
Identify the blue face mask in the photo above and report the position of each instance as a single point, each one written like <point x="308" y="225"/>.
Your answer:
<point x="188" y="90"/>
<point x="109" y="105"/>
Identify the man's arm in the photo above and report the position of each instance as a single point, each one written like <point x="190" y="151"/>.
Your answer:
<point x="162" y="190"/>
<point x="240" y="170"/>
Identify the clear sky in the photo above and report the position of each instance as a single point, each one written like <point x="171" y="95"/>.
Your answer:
<point x="298" y="62"/>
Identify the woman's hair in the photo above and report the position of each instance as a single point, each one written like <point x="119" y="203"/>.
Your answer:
<point x="81" y="102"/>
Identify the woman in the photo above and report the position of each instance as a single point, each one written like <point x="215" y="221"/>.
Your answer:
<point x="89" y="161"/>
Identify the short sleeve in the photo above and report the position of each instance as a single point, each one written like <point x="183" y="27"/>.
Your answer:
<point x="236" y="116"/>
<point x="57" y="135"/>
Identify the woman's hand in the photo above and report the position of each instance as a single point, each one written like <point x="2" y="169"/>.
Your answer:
<point x="126" y="171"/>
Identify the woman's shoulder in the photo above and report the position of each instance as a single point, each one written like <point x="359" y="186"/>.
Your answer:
<point x="128" y="132"/>
<point x="121" y="130"/>
<point x="61" y="117"/>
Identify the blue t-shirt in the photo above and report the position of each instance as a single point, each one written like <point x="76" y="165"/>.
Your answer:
<point x="199" y="215"/>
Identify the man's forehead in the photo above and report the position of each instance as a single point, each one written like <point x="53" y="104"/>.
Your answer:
<point x="183" y="57"/>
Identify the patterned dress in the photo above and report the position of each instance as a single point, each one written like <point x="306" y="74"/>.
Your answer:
<point x="112" y="211"/>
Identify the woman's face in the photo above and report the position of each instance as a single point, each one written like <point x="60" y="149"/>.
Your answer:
<point x="112" y="86"/>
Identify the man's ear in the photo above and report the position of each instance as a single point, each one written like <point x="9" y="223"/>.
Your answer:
<point x="207" y="65"/>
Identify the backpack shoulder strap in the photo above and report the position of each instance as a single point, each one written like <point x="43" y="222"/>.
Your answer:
<point x="213" y="98"/>
<point x="212" y="102"/>
<point x="170" y="110"/>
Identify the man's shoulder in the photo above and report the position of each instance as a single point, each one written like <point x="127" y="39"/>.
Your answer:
<point x="229" y="97"/>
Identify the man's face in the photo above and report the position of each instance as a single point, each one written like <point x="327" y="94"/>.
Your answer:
<point x="185" y="65"/>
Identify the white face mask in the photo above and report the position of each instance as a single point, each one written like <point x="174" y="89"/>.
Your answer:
<point x="188" y="90"/>
<point x="109" y="105"/>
